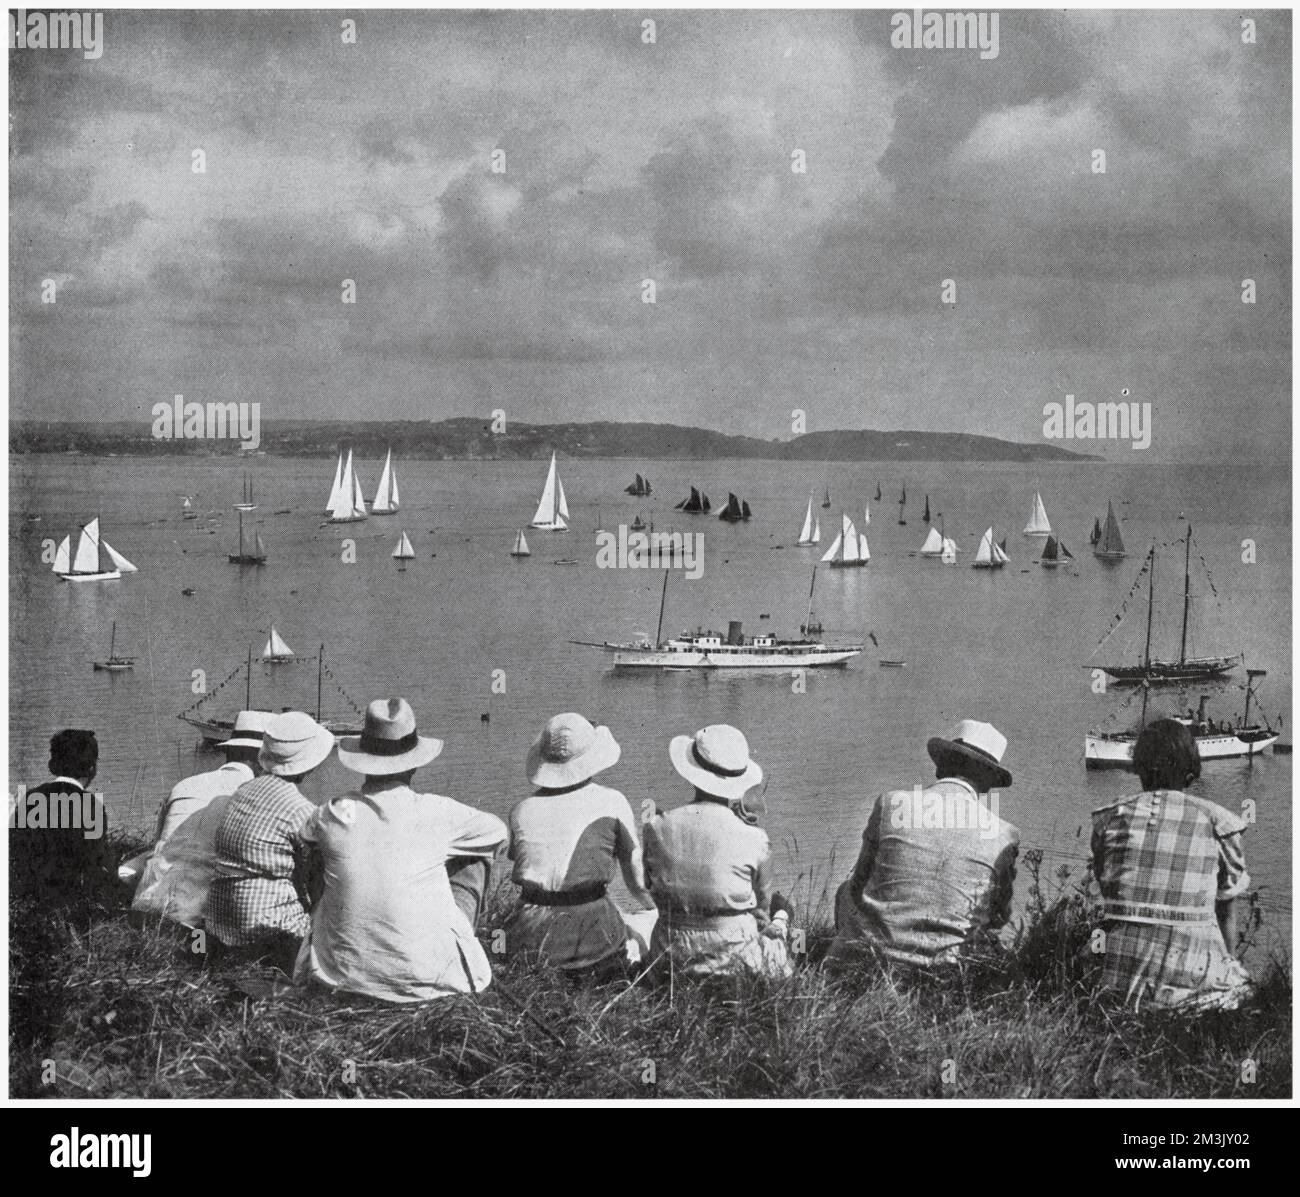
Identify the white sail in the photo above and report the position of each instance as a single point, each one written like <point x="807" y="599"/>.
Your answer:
<point x="521" y="548"/>
<point x="394" y="500"/>
<point x="63" y="556"/>
<point x="404" y="549"/>
<point x="933" y="545"/>
<point x="334" y="490"/>
<point x="984" y="554"/>
<point x="805" y="533"/>
<point x="949" y="554"/>
<point x="850" y="540"/>
<point x="999" y="555"/>
<point x="817" y="530"/>
<point x="275" y="646"/>
<point x="1038" y="524"/>
<point x="358" y="499"/>
<point x="552" y="510"/>
<point x="866" y="517"/>
<point x="186" y="505"/>
<point x="119" y="562"/>
<point x="87" y="558"/>
<point x="341" y="499"/>
<point x="383" y="502"/>
<point x="833" y="551"/>
<point x="864" y="553"/>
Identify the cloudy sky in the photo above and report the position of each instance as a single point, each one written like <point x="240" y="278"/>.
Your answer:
<point x="625" y="161"/>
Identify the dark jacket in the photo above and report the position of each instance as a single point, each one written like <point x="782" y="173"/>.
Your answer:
<point x="59" y="864"/>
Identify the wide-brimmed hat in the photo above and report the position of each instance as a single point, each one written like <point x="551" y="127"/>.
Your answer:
<point x="978" y="743"/>
<point x="570" y="750"/>
<point x="716" y="760"/>
<point x="293" y="743"/>
<point x="388" y="742"/>
<point x="248" y="730"/>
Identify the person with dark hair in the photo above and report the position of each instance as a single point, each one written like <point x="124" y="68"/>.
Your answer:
<point x="1170" y="866"/>
<point x="938" y="866"/>
<point x="57" y="851"/>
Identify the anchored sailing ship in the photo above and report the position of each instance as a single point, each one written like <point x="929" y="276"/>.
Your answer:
<point x="639" y="488"/>
<point x="1109" y="544"/>
<point x="811" y="532"/>
<point x="735" y="510"/>
<point x="1095" y="534"/>
<point x="387" y="501"/>
<point x="553" y="510"/>
<point x="826" y="499"/>
<point x="347" y="504"/>
<point x="1186" y="669"/>
<point x="187" y="510"/>
<point x="1038" y="523"/>
<point x="89" y="565"/>
<point x="244" y="557"/>
<point x="712" y="650"/>
<point x="215" y="729"/>
<point x="115" y="664"/>
<point x="990" y="554"/>
<point x="849" y="548"/>
<point x="902" y="502"/>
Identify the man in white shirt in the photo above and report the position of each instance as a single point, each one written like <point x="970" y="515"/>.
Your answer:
<point x="390" y="922"/>
<point x="178" y="873"/>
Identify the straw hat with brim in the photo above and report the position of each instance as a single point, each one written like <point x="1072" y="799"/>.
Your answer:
<point x="716" y="760"/>
<point x="293" y="744"/>
<point x="570" y="750"/>
<point x="248" y="730"/>
<point x="972" y="742"/>
<point x="388" y="742"/>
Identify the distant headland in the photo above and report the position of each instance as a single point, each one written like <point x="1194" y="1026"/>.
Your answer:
<point x="468" y="438"/>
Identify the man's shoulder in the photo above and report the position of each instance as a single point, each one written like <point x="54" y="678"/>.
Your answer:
<point x="57" y="785"/>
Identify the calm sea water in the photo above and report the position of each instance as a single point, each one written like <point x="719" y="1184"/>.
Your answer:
<point x="1008" y="647"/>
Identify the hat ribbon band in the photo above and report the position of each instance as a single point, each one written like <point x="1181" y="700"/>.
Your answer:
<point x="375" y="746"/>
<point x="988" y="756"/>
<point x="718" y="769"/>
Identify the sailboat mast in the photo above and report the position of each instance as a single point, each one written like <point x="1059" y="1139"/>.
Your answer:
<point x="241" y="536"/>
<point x="112" y="647"/>
<point x="1187" y="594"/>
<point x="248" y="681"/>
<point x="1151" y="596"/>
<point x="807" y="619"/>
<point x="663" y="597"/>
<point x="320" y="669"/>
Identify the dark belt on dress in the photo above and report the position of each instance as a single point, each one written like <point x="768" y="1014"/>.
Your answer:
<point x="579" y="895"/>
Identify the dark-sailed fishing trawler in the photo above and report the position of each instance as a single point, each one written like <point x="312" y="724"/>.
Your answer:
<point x="696" y="504"/>
<point x="1108" y="544"/>
<point x="1154" y="671"/>
<point x="735" y="510"/>
<point x="640" y="487"/>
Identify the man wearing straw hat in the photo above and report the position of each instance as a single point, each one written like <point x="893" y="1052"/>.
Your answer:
<point x="256" y="899"/>
<point x="937" y="865"/>
<point x="176" y="876"/>
<point x="708" y="866"/>
<point x="391" y="921"/>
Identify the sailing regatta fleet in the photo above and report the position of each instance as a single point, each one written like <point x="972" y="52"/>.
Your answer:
<point x="96" y="560"/>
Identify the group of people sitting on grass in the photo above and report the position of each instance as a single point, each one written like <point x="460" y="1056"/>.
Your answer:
<point x="380" y="891"/>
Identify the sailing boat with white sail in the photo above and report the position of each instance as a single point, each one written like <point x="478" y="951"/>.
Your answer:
<point x="849" y="549"/>
<point x="1038" y="523"/>
<point x="404" y="552"/>
<point x="187" y="510"/>
<point x="89" y="565"/>
<point x="338" y="483"/>
<point x="386" y="497"/>
<point x="277" y="652"/>
<point x="347" y="504"/>
<point x="1110" y="545"/>
<point x="933" y="544"/>
<point x="552" y="511"/>
<point x="521" y="548"/>
<point x="989" y="555"/>
<point x="811" y="532"/>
